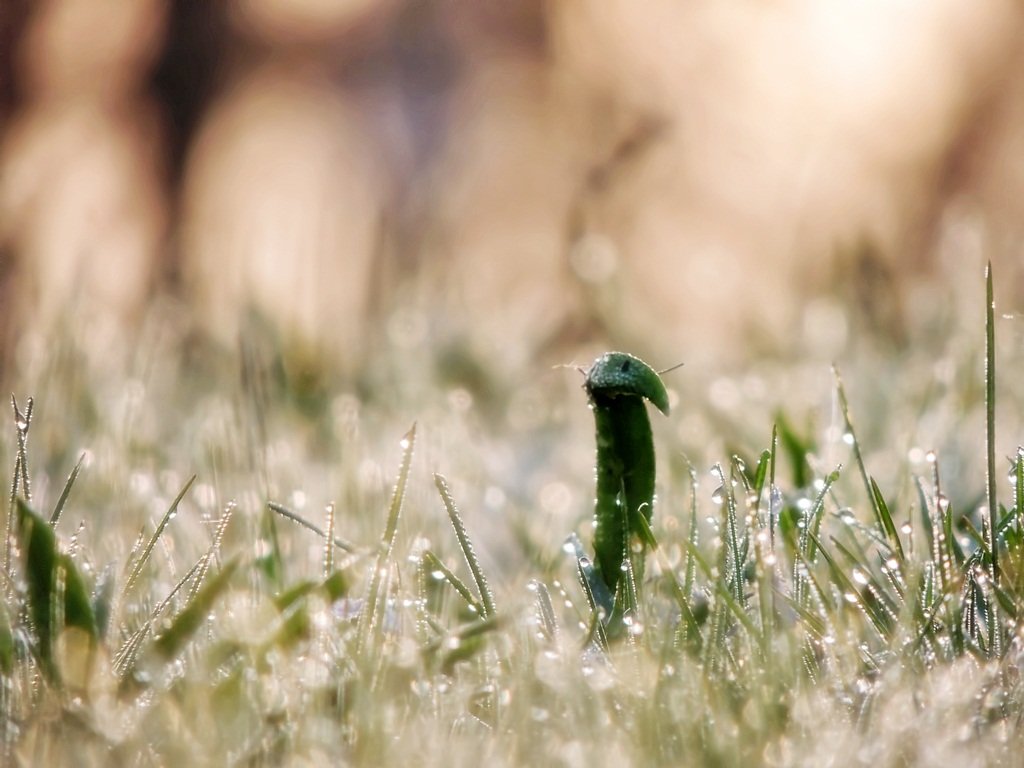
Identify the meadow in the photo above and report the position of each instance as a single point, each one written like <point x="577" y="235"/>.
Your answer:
<point x="244" y="557"/>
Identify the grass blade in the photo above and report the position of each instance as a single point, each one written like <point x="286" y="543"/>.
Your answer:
<point x="466" y="544"/>
<point x="194" y="614"/>
<point x="329" y="541"/>
<point x="57" y="595"/>
<point x="690" y="626"/>
<point x="140" y="562"/>
<point x="58" y="508"/>
<point x="883" y="519"/>
<point x="545" y="610"/>
<point x="434" y="563"/>
<point x="124" y="659"/>
<point x="888" y="526"/>
<point x="372" y="606"/>
<point x="283" y="511"/>
<point x="596" y="633"/>
<point x="19" y="479"/>
<point x="990" y="418"/>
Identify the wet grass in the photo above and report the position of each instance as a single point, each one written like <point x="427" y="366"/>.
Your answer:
<point x="268" y="571"/>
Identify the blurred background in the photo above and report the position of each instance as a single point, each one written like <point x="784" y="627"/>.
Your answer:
<point x="704" y="181"/>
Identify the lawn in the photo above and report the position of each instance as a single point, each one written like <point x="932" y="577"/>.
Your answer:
<point x="244" y="557"/>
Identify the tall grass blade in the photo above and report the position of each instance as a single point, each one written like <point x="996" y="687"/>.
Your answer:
<point x="732" y="551"/>
<point x="211" y="553"/>
<point x="58" y="508"/>
<point x="466" y="544"/>
<point x="372" y="607"/>
<point x="690" y="627"/>
<point x="726" y="600"/>
<point x="22" y="423"/>
<point x="19" y="478"/>
<point x="883" y="519"/>
<point x="692" y="536"/>
<point x="808" y="533"/>
<point x="990" y="418"/>
<point x="143" y="558"/>
<point x="1018" y="491"/>
<point x="329" y="541"/>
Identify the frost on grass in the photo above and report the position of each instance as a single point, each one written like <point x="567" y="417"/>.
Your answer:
<point x="316" y="597"/>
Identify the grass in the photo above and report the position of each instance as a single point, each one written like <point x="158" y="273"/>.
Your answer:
<point x="266" y="572"/>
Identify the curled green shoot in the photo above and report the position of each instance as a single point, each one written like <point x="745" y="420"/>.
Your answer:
<point x="617" y="384"/>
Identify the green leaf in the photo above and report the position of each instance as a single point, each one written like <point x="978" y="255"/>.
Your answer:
<point x="51" y="575"/>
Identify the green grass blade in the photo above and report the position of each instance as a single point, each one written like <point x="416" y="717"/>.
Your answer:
<point x="598" y="595"/>
<point x="797" y="449"/>
<point x="434" y="563"/>
<point x="58" y="508"/>
<point x="990" y="418"/>
<point x="19" y="478"/>
<point x="692" y="536"/>
<point x="679" y="592"/>
<point x="372" y="607"/>
<point x="888" y="526"/>
<point x="143" y="558"/>
<point x="587" y="575"/>
<point x="883" y="519"/>
<point x="545" y="611"/>
<point x="466" y="544"/>
<point x="1018" y="491"/>
<point x="329" y="541"/>
<point x="211" y="553"/>
<point x="127" y="653"/>
<point x="45" y="568"/>
<point x="871" y="610"/>
<point x="738" y="611"/>
<point x="194" y="613"/>
<point x="7" y="651"/>
<point x="283" y="511"/>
